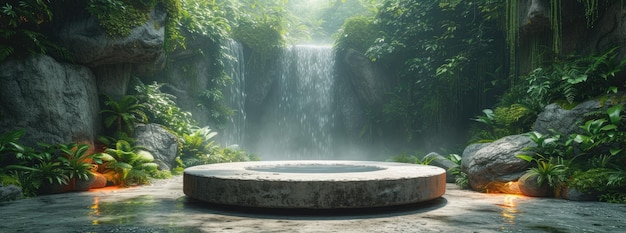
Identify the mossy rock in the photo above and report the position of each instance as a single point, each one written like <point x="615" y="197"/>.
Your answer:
<point x="529" y="186"/>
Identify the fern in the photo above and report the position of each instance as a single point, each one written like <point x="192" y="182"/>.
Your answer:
<point x="569" y="92"/>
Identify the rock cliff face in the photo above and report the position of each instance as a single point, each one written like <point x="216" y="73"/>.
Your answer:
<point x="93" y="47"/>
<point x="54" y="102"/>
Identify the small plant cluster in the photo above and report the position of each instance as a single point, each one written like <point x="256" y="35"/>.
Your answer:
<point x="593" y="162"/>
<point x="573" y="79"/>
<point x="48" y="166"/>
<point x="504" y="121"/>
<point x="460" y="177"/>
<point x="415" y="158"/>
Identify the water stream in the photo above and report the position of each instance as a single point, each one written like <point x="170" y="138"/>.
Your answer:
<point x="306" y="103"/>
<point x="234" y="67"/>
<point x="296" y="119"/>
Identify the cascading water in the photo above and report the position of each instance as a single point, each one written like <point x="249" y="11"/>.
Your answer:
<point x="300" y="118"/>
<point x="235" y="95"/>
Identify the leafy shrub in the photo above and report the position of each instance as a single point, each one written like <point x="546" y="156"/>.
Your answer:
<point x="127" y="165"/>
<point x="263" y="37"/>
<point x="160" y="108"/>
<point x="124" y="114"/>
<point x="461" y="179"/>
<point x="504" y="121"/>
<point x="593" y="161"/>
<point x="59" y="164"/>
<point x="21" y="29"/>
<point x="197" y="147"/>
<point x="357" y="33"/>
<point x="228" y="155"/>
<point x="574" y="78"/>
<point x="414" y="158"/>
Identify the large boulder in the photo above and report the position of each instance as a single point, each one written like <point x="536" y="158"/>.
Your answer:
<point x="555" y="117"/>
<point x="491" y="166"/>
<point x="53" y="102"/>
<point x="162" y="144"/>
<point x="93" y="46"/>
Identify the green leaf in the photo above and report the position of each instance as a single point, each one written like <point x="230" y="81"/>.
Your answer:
<point x="609" y="127"/>
<point x="615" y="151"/>
<point x="526" y="158"/>
<point x="614" y="113"/>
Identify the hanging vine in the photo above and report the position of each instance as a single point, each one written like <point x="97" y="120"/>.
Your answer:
<point x="591" y="11"/>
<point x="555" y="23"/>
<point x="512" y="33"/>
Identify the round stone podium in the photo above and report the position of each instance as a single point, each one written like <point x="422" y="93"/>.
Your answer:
<point x="314" y="184"/>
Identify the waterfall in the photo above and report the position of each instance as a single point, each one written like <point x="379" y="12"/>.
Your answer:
<point x="234" y="94"/>
<point x="300" y="118"/>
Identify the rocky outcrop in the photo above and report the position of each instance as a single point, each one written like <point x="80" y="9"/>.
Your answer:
<point x="10" y="192"/>
<point x="536" y="16"/>
<point x="529" y="186"/>
<point x="54" y="102"/>
<point x="555" y="117"/>
<point x="490" y="166"/>
<point x="92" y="46"/>
<point x="610" y="31"/>
<point x="367" y="81"/>
<point x="162" y="144"/>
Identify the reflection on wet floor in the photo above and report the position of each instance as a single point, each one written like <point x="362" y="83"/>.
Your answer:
<point x="509" y="208"/>
<point x="120" y="212"/>
<point x="95" y="211"/>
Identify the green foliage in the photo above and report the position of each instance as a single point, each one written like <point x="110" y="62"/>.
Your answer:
<point x="460" y="178"/>
<point x="79" y="163"/>
<point x="173" y="36"/>
<point x="609" y="183"/>
<point x="263" y="37"/>
<point x="604" y="135"/>
<point x="335" y="14"/>
<point x="573" y="79"/>
<point x="206" y="18"/>
<point x="161" y="108"/>
<point x="10" y="148"/>
<point x="117" y="17"/>
<point x="124" y="114"/>
<point x="414" y="158"/>
<point x="357" y="33"/>
<point x="127" y="165"/>
<point x="197" y="147"/>
<point x="44" y="166"/>
<point x="227" y="155"/>
<point x="593" y="161"/>
<point x="504" y="121"/>
<point x="437" y="59"/>
<point x="22" y="23"/>
<point x="547" y="170"/>
<point x="212" y="20"/>
<point x="58" y="164"/>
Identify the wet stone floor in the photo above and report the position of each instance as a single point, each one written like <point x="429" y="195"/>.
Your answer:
<point x="162" y="207"/>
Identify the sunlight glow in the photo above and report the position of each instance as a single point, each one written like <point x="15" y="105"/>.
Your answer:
<point x="95" y="211"/>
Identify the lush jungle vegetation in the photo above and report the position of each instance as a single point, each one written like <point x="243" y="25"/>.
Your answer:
<point x="449" y="61"/>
